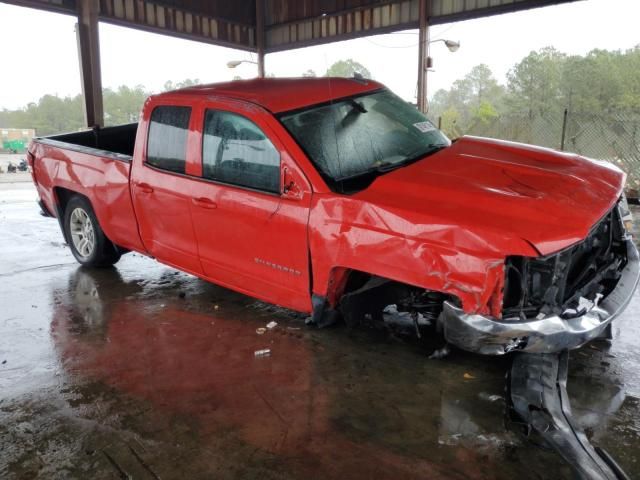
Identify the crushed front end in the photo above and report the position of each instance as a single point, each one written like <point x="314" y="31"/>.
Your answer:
<point x="559" y="301"/>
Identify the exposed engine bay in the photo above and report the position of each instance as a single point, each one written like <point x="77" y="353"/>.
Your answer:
<point x="567" y="283"/>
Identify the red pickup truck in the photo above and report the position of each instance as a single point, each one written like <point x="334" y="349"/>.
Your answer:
<point x="334" y="197"/>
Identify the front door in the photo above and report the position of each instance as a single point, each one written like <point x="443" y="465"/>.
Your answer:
<point x="251" y="236"/>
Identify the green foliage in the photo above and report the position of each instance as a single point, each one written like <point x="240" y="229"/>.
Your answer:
<point x="476" y="97"/>
<point x="346" y="68"/>
<point x="484" y="113"/>
<point x="534" y="83"/>
<point x="123" y="105"/>
<point x="544" y="83"/>
<point x="53" y="114"/>
<point x="449" y="122"/>
<point x="188" y="82"/>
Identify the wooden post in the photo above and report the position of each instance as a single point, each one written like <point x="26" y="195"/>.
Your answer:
<point x="89" y="57"/>
<point x="564" y="128"/>
<point x="260" y="36"/>
<point x="423" y="54"/>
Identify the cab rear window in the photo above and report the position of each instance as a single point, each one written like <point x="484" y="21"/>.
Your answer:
<point x="167" y="144"/>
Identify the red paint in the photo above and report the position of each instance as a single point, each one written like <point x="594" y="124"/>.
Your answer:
<point x="444" y="223"/>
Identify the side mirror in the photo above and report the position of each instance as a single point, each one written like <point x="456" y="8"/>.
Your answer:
<point x="290" y="188"/>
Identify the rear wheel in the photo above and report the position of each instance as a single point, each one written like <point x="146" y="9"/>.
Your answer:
<point x="86" y="239"/>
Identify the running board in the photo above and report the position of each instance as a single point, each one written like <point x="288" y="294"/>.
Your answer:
<point x="538" y="386"/>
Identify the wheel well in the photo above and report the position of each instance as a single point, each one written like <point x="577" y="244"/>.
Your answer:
<point x="356" y="294"/>
<point x="63" y="195"/>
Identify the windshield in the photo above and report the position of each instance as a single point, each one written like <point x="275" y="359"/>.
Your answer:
<point x="372" y="133"/>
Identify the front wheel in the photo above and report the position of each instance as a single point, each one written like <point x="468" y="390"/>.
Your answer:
<point x="86" y="239"/>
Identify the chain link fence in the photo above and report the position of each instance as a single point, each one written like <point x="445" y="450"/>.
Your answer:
<point x="613" y="137"/>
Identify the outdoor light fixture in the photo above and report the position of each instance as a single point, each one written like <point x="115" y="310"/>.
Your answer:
<point x="235" y="63"/>
<point x="452" y="45"/>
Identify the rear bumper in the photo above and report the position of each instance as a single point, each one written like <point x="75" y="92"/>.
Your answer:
<point x="488" y="336"/>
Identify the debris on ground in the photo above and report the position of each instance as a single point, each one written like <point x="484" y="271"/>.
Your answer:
<point x="488" y="397"/>
<point x="4" y="361"/>
<point x="216" y="307"/>
<point x="260" y="330"/>
<point x="265" y="352"/>
<point x="440" y="353"/>
<point x="538" y="390"/>
<point x="271" y="325"/>
<point x="468" y="376"/>
<point x="182" y="295"/>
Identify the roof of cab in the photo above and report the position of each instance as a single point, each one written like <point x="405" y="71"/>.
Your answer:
<point x="283" y="94"/>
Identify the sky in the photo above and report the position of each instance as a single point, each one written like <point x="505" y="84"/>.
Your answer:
<point x="40" y="52"/>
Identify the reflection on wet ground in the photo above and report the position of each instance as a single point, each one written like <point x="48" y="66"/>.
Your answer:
<point x="144" y="371"/>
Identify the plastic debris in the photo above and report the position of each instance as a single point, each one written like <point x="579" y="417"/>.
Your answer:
<point x="440" y="353"/>
<point x="216" y="307"/>
<point x="265" y="352"/>
<point x="260" y="330"/>
<point x="468" y="376"/>
<point x="272" y="325"/>
<point x="488" y="397"/>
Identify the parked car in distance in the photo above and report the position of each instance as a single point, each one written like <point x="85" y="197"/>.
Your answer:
<point x="334" y="197"/>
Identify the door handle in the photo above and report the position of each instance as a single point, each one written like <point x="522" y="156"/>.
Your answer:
<point x="144" y="187"/>
<point x="204" y="203"/>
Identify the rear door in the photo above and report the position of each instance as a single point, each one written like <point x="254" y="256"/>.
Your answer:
<point x="252" y="236"/>
<point x="161" y="188"/>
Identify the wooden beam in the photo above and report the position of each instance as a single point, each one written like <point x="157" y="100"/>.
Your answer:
<point x="423" y="55"/>
<point x="89" y="58"/>
<point x="260" y="36"/>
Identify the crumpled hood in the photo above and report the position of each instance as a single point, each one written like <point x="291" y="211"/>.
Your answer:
<point x="549" y="199"/>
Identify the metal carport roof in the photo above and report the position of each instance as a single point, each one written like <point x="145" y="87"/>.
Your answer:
<point x="263" y="26"/>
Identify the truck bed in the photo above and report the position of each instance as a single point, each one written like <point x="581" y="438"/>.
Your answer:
<point x="96" y="164"/>
<point x="117" y="141"/>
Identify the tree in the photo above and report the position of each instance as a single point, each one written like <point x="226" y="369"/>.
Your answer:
<point x="534" y="82"/>
<point x="483" y="86"/>
<point x="346" y="68"/>
<point x="187" y="82"/>
<point x="124" y="104"/>
<point x="475" y="97"/>
<point x="53" y="114"/>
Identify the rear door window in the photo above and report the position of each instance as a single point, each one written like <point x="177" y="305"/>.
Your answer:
<point x="236" y="151"/>
<point x="167" y="145"/>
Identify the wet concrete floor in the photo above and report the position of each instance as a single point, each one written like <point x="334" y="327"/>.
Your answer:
<point x="141" y="371"/>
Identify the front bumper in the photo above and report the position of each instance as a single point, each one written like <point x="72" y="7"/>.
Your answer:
<point x="488" y="336"/>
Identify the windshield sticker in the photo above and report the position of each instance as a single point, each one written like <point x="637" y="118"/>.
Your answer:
<point x="424" y="127"/>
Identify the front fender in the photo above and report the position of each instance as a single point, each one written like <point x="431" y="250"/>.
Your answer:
<point x="347" y="234"/>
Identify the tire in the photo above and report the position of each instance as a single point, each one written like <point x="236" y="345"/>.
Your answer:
<point x="87" y="241"/>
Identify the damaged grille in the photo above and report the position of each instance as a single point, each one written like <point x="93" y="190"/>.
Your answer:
<point x="537" y="287"/>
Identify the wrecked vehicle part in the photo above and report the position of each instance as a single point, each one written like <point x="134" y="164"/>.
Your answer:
<point x="553" y="333"/>
<point x="538" y="390"/>
<point x="554" y="284"/>
<point x="400" y="227"/>
<point x="380" y="300"/>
